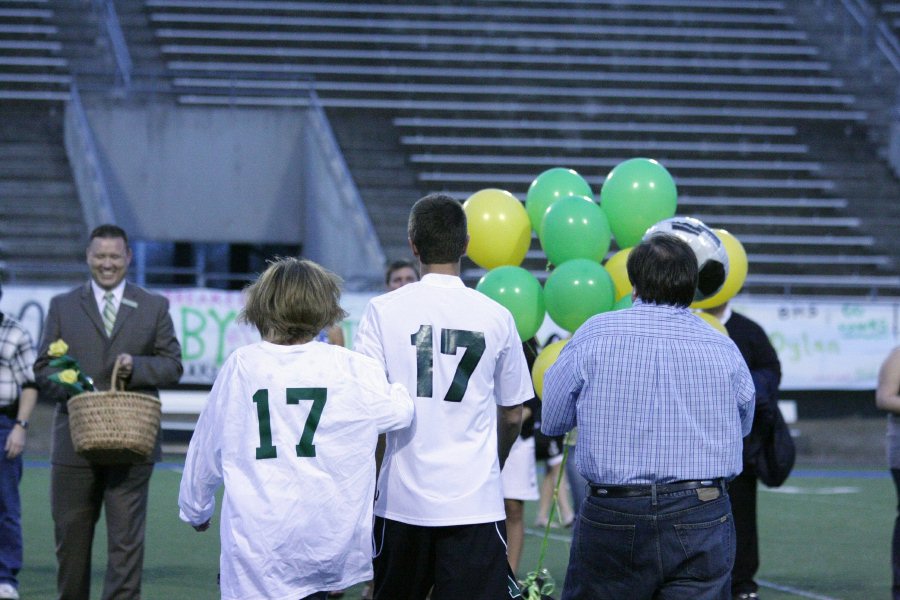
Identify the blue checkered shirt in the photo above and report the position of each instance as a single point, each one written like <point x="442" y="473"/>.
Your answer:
<point x="16" y="360"/>
<point x="657" y="394"/>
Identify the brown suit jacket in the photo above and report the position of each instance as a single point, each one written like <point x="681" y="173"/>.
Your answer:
<point x="143" y="329"/>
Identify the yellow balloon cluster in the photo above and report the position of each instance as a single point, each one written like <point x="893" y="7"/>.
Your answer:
<point x="737" y="272"/>
<point x="544" y="360"/>
<point x="499" y="229"/>
<point x="616" y="267"/>
<point x="712" y="321"/>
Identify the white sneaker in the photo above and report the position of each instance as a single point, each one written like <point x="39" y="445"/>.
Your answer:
<point x="8" y="592"/>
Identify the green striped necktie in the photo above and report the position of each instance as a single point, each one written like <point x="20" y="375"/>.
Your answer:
<point x="109" y="313"/>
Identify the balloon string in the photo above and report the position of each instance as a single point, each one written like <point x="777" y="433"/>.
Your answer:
<point x="555" y="503"/>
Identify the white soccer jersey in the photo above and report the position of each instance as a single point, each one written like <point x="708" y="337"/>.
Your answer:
<point x="458" y="352"/>
<point x="291" y="431"/>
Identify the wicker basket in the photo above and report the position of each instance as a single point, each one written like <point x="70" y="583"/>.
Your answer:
<point x="114" y="427"/>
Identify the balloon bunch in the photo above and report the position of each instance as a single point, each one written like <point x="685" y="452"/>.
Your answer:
<point x="576" y="233"/>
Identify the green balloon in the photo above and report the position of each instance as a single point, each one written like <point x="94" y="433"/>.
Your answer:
<point x="575" y="227"/>
<point x="520" y="292"/>
<point x="577" y="290"/>
<point x="637" y="194"/>
<point x="550" y="186"/>
<point x="623" y="302"/>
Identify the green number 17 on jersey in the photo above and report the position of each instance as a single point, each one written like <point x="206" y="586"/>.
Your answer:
<point x="451" y="340"/>
<point x="305" y="448"/>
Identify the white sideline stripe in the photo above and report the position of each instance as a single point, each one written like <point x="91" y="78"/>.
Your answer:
<point x="815" y="491"/>
<point x="556" y="537"/>
<point x="792" y="590"/>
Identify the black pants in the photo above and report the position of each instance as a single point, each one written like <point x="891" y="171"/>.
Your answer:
<point x="742" y="491"/>
<point x="458" y="561"/>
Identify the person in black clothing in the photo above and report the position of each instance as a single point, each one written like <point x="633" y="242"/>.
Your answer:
<point x="518" y="476"/>
<point x="765" y="368"/>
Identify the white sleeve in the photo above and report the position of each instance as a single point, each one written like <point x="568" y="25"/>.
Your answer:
<point x="389" y="404"/>
<point x="202" y="474"/>
<point x="512" y="380"/>
<point x="367" y="339"/>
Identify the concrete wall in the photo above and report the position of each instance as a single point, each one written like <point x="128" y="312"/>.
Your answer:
<point x="202" y="174"/>
<point x="225" y="174"/>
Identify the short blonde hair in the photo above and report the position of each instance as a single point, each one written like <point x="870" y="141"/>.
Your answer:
<point x="293" y="300"/>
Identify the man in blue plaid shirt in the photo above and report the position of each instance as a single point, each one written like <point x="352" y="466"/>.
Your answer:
<point x="662" y="402"/>
<point x="18" y="395"/>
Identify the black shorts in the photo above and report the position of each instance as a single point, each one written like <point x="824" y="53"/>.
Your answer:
<point x="548" y="448"/>
<point x="458" y="561"/>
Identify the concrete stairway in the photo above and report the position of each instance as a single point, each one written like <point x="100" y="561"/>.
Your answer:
<point x="31" y="63"/>
<point x="383" y="177"/>
<point x="42" y="232"/>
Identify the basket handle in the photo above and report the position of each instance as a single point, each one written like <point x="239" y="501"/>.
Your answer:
<point x="112" y="382"/>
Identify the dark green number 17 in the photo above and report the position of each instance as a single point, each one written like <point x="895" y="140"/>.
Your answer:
<point x="451" y="340"/>
<point x="305" y="448"/>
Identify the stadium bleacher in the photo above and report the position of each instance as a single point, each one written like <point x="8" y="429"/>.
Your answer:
<point x="31" y="63"/>
<point x="488" y="95"/>
<point x="426" y="96"/>
<point x="39" y="212"/>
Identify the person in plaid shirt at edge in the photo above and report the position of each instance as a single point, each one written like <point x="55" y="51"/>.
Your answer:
<point x="18" y="395"/>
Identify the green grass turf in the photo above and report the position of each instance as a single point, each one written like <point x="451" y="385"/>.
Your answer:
<point x="824" y="536"/>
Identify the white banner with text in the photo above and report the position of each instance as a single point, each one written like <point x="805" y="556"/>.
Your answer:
<point x="822" y="344"/>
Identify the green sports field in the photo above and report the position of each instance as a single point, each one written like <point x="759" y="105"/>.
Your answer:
<point x="825" y="534"/>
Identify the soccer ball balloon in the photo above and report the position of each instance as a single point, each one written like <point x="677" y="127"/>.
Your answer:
<point x="712" y="258"/>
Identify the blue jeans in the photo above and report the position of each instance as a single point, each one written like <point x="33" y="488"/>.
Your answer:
<point x="577" y="482"/>
<point x="670" y="547"/>
<point x="10" y="509"/>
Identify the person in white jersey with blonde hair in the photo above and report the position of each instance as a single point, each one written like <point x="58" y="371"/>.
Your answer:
<point x="290" y="428"/>
<point x="439" y="502"/>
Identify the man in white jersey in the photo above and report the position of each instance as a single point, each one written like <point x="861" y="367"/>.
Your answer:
<point x="290" y="428"/>
<point x="439" y="503"/>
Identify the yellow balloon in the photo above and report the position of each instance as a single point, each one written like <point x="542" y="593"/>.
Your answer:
<point x="712" y="321"/>
<point x="616" y="267"/>
<point x="543" y="362"/>
<point x="499" y="229"/>
<point x="737" y="272"/>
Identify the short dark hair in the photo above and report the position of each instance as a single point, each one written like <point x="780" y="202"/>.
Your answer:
<point x="109" y="231"/>
<point x="663" y="269"/>
<point x="437" y="228"/>
<point x="396" y="265"/>
<point x="293" y="300"/>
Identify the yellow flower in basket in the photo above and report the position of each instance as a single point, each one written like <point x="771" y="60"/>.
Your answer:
<point x="58" y="348"/>
<point x="71" y="376"/>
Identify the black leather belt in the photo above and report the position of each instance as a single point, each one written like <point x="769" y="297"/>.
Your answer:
<point x="633" y="491"/>
<point x="11" y="411"/>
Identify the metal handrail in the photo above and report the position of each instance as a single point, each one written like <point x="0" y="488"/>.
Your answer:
<point x="81" y="150"/>
<point x="875" y="30"/>
<point x="889" y="45"/>
<point x="348" y="193"/>
<point x="124" y="64"/>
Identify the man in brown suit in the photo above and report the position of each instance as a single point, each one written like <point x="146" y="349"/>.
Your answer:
<point x="104" y="322"/>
